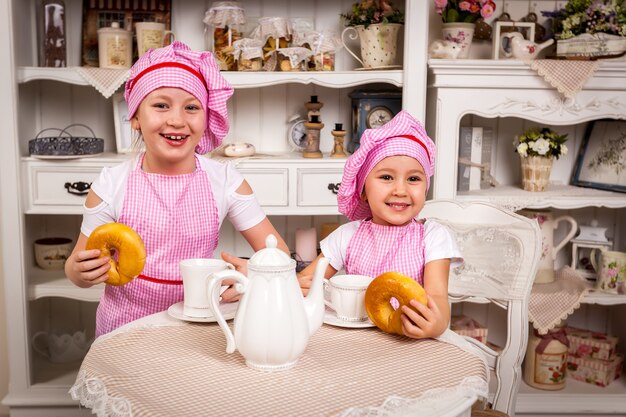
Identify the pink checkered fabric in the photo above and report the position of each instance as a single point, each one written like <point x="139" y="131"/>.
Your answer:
<point x="402" y="135"/>
<point x="375" y="249"/>
<point x="177" y="218"/>
<point x="197" y="73"/>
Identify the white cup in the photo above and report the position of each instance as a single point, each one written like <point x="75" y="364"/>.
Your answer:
<point x="151" y="35"/>
<point x="62" y="348"/>
<point x="196" y="275"/>
<point x="347" y="296"/>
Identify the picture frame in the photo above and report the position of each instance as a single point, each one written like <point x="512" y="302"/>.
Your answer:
<point x="601" y="161"/>
<point x="527" y="29"/>
<point x="99" y="14"/>
<point x="123" y="128"/>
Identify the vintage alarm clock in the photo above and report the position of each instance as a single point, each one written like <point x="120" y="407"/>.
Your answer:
<point x="296" y="137"/>
<point x="370" y="110"/>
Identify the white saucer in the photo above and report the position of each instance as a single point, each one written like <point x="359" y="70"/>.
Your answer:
<point x="330" y="317"/>
<point x="227" y="309"/>
<point x="381" y="68"/>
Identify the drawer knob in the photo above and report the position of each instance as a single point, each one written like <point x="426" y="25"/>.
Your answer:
<point x="334" y="187"/>
<point x="78" y="188"/>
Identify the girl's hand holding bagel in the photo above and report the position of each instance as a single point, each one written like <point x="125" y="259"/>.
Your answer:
<point x="118" y="240"/>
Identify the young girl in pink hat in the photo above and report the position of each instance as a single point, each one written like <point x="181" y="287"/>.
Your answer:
<point x="382" y="191"/>
<point x="173" y="197"/>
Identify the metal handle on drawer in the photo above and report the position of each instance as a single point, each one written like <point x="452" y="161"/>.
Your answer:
<point x="78" y="188"/>
<point x="334" y="187"/>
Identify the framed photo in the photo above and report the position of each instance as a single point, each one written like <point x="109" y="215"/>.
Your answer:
<point x="98" y="14"/>
<point x="501" y="46"/>
<point x="601" y="160"/>
<point x="123" y="129"/>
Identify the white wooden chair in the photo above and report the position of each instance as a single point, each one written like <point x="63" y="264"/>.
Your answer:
<point x="501" y="251"/>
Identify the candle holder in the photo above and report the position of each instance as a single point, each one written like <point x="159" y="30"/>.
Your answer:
<point x="313" y="108"/>
<point x="313" y="127"/>
<point x="339" y="134"/>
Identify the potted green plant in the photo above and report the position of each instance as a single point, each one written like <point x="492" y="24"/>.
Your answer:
<point x="376" y="23"/>
<point x="537" y="149"/>
<point x="593" y="28"/>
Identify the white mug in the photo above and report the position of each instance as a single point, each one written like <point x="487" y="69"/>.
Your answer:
<point x="610" y="271"/>
<point x="151" y="35"/>
<point x="347" y="296"/>
<point x="61" y="348"/>
<point x="196" y="275"/>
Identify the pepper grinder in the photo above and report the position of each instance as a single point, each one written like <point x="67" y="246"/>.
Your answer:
<point x="338" y="134"/>
<point x="313" y="127"/>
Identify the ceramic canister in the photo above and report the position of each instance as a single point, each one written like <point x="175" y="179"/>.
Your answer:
<point x="115" y="47"/>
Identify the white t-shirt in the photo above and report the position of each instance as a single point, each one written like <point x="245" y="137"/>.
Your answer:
<point x="439" y="243"/>
<point x="243" y="211"/>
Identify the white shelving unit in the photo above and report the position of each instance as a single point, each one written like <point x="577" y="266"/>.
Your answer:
<point x="508" y="95"/>
<point x="289" y="187"/>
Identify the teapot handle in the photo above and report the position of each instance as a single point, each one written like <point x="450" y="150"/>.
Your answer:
<point x="509" y="53"/>
<point x="39" y="349"/>
<point x="570" y="234"/>
<point x="214" y="289"/>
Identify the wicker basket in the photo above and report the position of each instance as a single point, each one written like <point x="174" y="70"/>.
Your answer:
<point x="536" y="172"/>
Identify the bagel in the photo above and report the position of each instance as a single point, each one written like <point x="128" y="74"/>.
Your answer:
<point x="378" y="296"/>
<point x="117" y="240"/>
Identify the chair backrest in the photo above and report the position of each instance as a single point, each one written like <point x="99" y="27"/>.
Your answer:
<point x="501" y="250"/>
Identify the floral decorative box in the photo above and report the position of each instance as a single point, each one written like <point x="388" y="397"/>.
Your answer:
<point x="595" y="371"/>
<point x="585" y="343"/>
<point x="467" y="326"/>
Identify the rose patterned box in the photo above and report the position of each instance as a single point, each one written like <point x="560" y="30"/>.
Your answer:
<point x="585" y="343"/>
<point x="595" y="371"/>
<point x="467" y="326"/>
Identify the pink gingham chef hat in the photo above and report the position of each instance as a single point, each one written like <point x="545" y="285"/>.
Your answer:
<point x="197" y="73"/>
<point x="402" y="135"/>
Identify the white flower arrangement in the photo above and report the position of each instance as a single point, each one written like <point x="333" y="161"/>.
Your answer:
<point x="544" y="142"/>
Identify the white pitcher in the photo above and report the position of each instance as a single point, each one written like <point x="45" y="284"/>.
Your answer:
<point x="548" y="224"/>
<point x="274" y="321"/>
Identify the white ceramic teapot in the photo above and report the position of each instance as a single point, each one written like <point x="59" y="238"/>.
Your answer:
<point x="521" y="48"/>
<point x="274" y="321"/>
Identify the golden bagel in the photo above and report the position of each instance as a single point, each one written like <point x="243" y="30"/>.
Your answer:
<point x="119" y="239"/>
<point x="380" y="291"/>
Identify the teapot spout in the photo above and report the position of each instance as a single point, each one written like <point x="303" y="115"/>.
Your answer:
<point x="314" y="301"/>
<point x="545" y="44"/>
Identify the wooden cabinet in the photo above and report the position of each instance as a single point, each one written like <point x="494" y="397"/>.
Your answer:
<point x="509" y="97"/>
<point x="36" y="202"/>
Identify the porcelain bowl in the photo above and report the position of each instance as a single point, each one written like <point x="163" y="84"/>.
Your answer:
<point x="52" y="252"/>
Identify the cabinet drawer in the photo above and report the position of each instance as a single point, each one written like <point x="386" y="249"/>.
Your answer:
<point x="318" y="187"/>
<point x="52" y="189"/>
<point x="271" y="186"/>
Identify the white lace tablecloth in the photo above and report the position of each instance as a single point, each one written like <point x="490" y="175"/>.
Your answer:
<point x="165" y="367"/>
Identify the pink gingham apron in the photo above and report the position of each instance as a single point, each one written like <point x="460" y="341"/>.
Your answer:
<point x="176" y="216"/>
<point x="375" y="248"/>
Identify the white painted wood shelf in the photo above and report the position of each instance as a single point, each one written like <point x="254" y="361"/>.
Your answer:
<point x="577" y="398"/>
<point x="331" y="79"/>
<point x="55" y="284"/>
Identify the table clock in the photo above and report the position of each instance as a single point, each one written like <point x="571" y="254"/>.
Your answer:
<point x="370" y="110"/>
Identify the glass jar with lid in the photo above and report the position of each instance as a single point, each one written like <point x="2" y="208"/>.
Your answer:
<point x="225" y="22"/>
<point x="248" y="54"/>
<point x="275" y="32"/>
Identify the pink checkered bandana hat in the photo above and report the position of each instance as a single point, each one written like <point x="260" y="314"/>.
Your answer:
<point x="197" y="73"/>
<point x="402" y="135"/>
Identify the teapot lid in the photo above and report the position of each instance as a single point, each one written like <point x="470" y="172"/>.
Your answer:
<point x="271" y="256"/>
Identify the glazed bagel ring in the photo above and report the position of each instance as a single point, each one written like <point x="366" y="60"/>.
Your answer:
<point x="381" y="290"/>
<point x="126" y="243"/>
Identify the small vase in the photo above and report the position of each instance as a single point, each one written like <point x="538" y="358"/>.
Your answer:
<point x="379" y="44"/>
<point x="460" y="33"/>
<point x="536" y="172"/>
